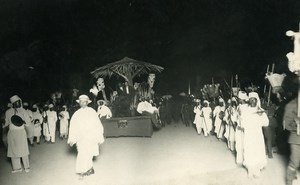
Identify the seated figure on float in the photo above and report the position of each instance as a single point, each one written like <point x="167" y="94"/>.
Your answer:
<point x="145" y="108"/>
<point x="103" y="111"/>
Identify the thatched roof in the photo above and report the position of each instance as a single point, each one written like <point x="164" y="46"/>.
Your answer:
<point x="126" y="68"/>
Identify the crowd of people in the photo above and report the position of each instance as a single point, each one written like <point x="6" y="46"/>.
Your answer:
<point x="239" y="122"/>
<point x="24" y="125"/>
<point x="248" y="124"/>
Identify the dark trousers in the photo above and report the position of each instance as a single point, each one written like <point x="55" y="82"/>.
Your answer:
<point x="269" y="135"/>
<point x="295" y="156"/>
<point x="294" y="164"/>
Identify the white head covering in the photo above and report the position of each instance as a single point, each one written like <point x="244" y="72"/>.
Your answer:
<point x="233" y="99"/>
<point x="243" y="95"/>
<point x="83" y="98"/>
<point x="25" y="104"/>
<point x="221" y="100"/>
<point x="14" y="98"/>
<point x="197" y="100"/>
<point x="9" y="105"/>
<point x="104" y="102"/>
<point x="51" y="106"/>
<point x="255" y="95"/>
<point x="206" y="101"/>
<point x="34" y="106"/>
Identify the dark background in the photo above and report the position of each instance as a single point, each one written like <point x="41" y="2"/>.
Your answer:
<point x="64" y="40"/>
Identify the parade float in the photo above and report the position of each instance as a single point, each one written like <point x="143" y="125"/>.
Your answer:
<point x="124" y="100"/>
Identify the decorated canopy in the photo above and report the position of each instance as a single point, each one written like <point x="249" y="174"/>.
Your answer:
<point x="127" y="68"/>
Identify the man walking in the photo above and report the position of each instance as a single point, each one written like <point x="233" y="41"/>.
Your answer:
<point x="86" y="131"/>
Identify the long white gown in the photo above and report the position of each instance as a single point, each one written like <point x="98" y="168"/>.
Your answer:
<point x="254" y="145"/>
<point x="86" y="131"/>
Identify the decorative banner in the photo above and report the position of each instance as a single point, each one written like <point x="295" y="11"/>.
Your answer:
<point x="211" y="90"/>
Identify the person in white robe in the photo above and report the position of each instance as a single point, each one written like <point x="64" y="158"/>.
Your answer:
<point x="145" y="108"/>
<point x="198" y="118"/>
<point x="86" y="131"/>
<point x="239" y="131"/>
<point x="230" y="118"/>
<point x="30" y="127"/>
<point x="16" y="136"/>
<point x="5" y="127"/>
<point x="37" y="120"/>
<point x="218" y="115"/>
<point x="64" y="122"/>
<point x="50" y="126"/>
<point x="255" y="118"/>
<point x="103" y="111"/>
<point x="46" y="130"/>
<point x="207" y="116"/>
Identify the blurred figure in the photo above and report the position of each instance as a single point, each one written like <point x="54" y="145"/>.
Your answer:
<point x="239" y="131"/>
<point x="64" y="122"/>
<point x="30" y="127"/>
<point x="254" y="145"/>
<point x="230" y="118"/>
<point x="51" y="121"/>
<point x="37" y="120"/>
<point x="103" y="111"/>
<point x="292" y="124"/>
<point x="4" y="126"/>
<point x="16" y="119"/>
<point x="46" y="129"/>
<point x="86" y="131"/>
<point x="186" y="110"/>
<point x="207" y="116"/>
<point x="145" y="108"/>
<point x="269" y="131"/>
<point x="198" y="119"/>
<point x="219" y="113"/>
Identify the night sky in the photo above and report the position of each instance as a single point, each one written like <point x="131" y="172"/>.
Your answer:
<point x="64" y="40"/>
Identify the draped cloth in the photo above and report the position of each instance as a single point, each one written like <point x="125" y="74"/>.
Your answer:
<point x="86" y="131"/>
<point x="16" y="136"/>
<point x="254" y="145"/>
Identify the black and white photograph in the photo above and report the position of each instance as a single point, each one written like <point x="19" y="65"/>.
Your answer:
<point x="149" y="92"/>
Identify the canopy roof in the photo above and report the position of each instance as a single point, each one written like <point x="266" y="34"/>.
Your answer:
<point x="127" y="68"/>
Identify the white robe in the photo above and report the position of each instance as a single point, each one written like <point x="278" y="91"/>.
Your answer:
<point x="37" y="127"/>
<point x="230" y="118"/>
<point x="16" y="137"/>
<point x="239" y="134"/>
<point x="86" y="131"/>
<point x="30" y="126"/>
<point x="52" y="119"/>
<point x="198" y="120"/>
<point x="219" y="127"/>
<point x="64" y="122"/>
<point x="104" y="112"/>
<point x="207" y="117"/>
<point x="254" y="145"/>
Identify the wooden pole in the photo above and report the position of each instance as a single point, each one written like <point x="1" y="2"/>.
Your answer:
<point x="270" y="87"/>
<point x="189" y="88"/>
<point x="265" y="87"/>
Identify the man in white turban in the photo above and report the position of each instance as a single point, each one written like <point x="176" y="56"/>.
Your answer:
<point x="16" y="119"/>
<point x="239" y="132"/>
<point x="86" y="131"/>
<point x="254" y="145"/>
<point x="51" y="121"/>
